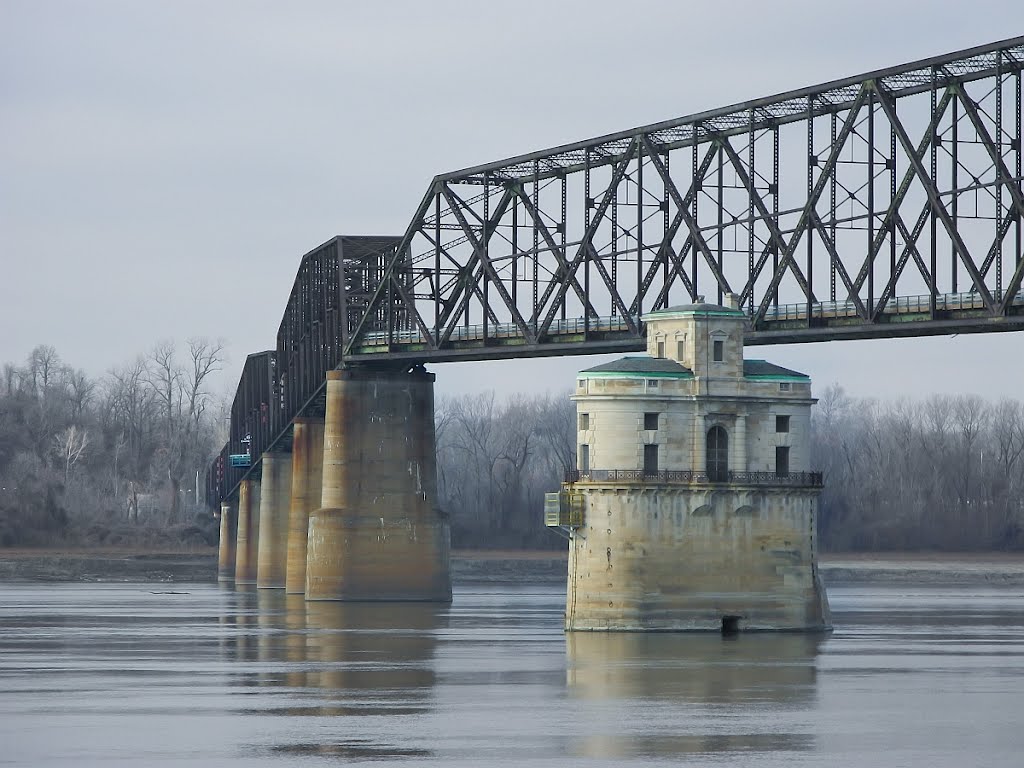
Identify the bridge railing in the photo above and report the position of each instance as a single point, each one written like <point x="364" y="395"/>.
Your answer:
<point x="903" y="305"/>
<point x="689" y="477"/>
<point x="569" y="327"/>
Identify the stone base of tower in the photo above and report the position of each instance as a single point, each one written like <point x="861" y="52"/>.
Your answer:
<point x="379" y="534"/>
<point x="664" y="558"/>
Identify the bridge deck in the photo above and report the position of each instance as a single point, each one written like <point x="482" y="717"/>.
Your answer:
<point x="785" y="324"/>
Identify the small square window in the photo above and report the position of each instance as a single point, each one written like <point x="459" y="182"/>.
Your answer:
<point x="584" y="421"/>
<point x="719" y="351"/>
<point x="650" y="421"/>
<point x="652" y="383"/>
<point x="782" y="423"/>
<point x="784" y="386"/>
<point x="581" y="383"/>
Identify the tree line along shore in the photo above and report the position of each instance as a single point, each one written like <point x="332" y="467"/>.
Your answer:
<point x="115" y="461"/>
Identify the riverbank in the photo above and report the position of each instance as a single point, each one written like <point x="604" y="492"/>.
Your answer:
<point x="503" y="566"/>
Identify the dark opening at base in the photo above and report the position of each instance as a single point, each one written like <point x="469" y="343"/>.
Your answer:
<point x="730" y="625"/>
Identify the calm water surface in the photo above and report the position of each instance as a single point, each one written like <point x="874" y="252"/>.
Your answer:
<point x="144" y="674"/>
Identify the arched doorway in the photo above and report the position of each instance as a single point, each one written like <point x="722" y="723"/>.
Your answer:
<point x="718" y="455"/>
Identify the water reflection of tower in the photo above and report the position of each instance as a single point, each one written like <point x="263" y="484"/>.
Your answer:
<point x="693" y="694"/>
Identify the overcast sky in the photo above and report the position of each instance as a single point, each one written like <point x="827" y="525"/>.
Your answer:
<point x="164" y="165"/>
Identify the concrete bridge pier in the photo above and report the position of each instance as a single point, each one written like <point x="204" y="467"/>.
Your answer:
<point x="275" y="499"/>
<point x="248" y="531"/>
<point x="307" y="474"/>
<point x="226" y="551"/>
<point x="379" y="534"/>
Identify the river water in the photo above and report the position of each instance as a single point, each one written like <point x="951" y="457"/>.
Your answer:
<point x="151" y="674"/>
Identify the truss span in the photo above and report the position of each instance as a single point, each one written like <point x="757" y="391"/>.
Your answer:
<point x="903" y="182"/>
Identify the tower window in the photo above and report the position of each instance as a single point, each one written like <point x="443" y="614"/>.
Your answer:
<point x="650" y="421"/>
<point x="584" y="458"/>
<point x="718" y="455"/>
<point x="650" y="459"/>
<point x="680" y="349"/>
<point x="584" y="421"/>
<point x="719" y="351"/>
<point x="781" y="461"/>
<point x="652" y="383"/>
<point x="661" y="349"/>
<point x="784" y="386"/>
<point x="782" y="423"/>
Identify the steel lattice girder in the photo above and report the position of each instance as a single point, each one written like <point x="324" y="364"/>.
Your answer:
<point x="792" y="202"/>
<point x="500" y="259"/>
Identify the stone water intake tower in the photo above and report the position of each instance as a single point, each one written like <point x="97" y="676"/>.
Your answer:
<point x="693" y="506"/>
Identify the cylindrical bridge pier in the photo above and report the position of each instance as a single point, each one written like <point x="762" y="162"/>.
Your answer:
<point x="307" y="473"/>
<point x="378" y="534"/>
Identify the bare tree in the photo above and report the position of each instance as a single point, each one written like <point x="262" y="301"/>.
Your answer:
<point x="130" y="409"/>
<point x="1008" y="485"/>
<point x="556" y="430"/>
<point x="182" y="397"/>
<point x="81" y="390"/>
<point x="70" y="445"/>
<point x="43" y="363"/>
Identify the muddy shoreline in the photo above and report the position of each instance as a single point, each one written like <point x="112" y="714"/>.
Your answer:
<point x="503" y="567"/>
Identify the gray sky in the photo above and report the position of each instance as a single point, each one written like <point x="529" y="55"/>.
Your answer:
<point x="164" y="165"/>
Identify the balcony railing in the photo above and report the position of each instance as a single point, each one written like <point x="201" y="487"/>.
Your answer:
<point x="689" y="477"/>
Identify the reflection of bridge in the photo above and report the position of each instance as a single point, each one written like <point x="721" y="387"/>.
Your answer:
<point x="887" y="204"/>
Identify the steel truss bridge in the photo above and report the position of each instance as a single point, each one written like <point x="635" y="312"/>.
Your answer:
<point x="886" y="204"/>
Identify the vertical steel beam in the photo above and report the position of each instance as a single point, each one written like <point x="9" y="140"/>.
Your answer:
<point x="535" y="217"/>
<point x="697" y="185"/>
<point x="751" y="138"/>
<point x="437" y="264"/>
<point x="832" y="209"/>
<point x="720" y="217"/>
<point x="773" y="293"/>
<point x="615" y="245"/>
<point x="586" y="227"/>
<point x="812" y="161"/>
<point x="1000" y="179"/>
<point x="563" y="230"/>
<point x="871" y="198"/>
<point x="932" y="218"/>
<point x="954" y="206"/>
<point x="640" y="222"/>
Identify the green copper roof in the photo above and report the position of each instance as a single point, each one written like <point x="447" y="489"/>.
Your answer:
<point x="663" y="368"/>
<point x="639" y="367"/>
<point x="761" y="369"/>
